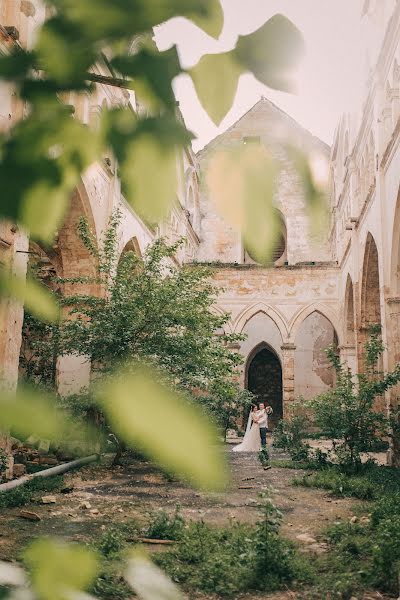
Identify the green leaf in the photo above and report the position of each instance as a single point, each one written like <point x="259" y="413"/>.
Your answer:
<point x="242" y="183"/>
<point x="313" y="172"/>
<point x="154" y="69"/>
<point x="212" y="20"/>
<point x="215" y="79"/>
<point x="36" y="298"/>
<point x="149" y="173"/>
<point x="43" y="209"/>
<point x="31" y="411"/>
<point x="16" y="65"/>
<point x="272" y="52"/>
<point x="58" y="570"/>
<point x="164" y="425"/>
<point x="149" y="582"/>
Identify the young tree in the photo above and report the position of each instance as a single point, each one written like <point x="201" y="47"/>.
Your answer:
<point x="153" y="311"/>
<point x="347" y="413"/>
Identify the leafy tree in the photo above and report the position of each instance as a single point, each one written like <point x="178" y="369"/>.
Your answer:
<point x="347" y="413"/>
<point x="150" y="310"/>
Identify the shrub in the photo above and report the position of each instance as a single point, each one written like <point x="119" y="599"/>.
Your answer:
<point x="289" y="435"/>
<point x="165" y="527"/>
<point x="347" y="412"/>
<point x="111" y="542"/>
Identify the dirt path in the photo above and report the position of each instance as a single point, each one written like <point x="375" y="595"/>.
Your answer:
<point x="137" y="488"/>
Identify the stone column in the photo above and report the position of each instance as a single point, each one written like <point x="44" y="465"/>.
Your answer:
<point x="13" y="259"/>
<point x="288" y="351"/>
<point x="393" y="343"/>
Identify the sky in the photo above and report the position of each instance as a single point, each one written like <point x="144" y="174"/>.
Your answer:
<point x="329" y="79"/>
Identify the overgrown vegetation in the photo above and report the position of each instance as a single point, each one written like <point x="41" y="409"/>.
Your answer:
<point x="347" y="413"/>
<point x="237" y="558"/>
<point x="27" y="493"/>
<point x="186" y="342"/>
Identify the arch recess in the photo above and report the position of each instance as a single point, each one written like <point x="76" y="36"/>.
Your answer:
<point x="132" y="245"/>
<point x="370" y="287"/>
<point x="260" y="307"/>
<point x="349" y="326"/>
<point x="395" y="254"/>
<point x="323" y="309"/>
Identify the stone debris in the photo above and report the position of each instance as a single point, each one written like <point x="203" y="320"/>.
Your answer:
<point x="19" y="470"/>
<point x="94" y="511"/>
<point x="318" y="548"/>
<point x="49" y="500"/>
<point x="306" y="538"/>
<point x="30" y="516"/>
<point x="353" y="519"/>
<point x="44" y="446"/>
<point x="86" y="505"/>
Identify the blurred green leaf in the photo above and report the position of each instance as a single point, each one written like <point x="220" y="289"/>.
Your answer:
<point x="154" y="69"/>
<point x="58" y="39"/>
<point x="147" y="152"/>
<point x="149" y="582"/>
<point x="16" y="65"/>
<point x="42" y="209"/>
<point x="272" y="52"/>
<point x="169" y="429"/>
<point x="37" y="299"/>
<point x="215" y="78"/>
<point x="104" y="21"/>
<point x="149" y="173"/>
<point x="58" y="570"/>
<point x="30" y="411"/>
<point x="210" y="19"/>
<point x="313" y="172"/>
<point x="242" y="183"/>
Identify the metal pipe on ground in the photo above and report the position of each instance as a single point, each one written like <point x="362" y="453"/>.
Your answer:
<point x="58" y="470"/>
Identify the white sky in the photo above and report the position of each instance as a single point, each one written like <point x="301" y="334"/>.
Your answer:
<point x="329" y="79"/>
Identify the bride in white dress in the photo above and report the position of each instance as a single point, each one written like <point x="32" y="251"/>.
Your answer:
<point x="251" y="441"/>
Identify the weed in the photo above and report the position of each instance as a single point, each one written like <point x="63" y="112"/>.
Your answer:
<point x="111" y="542"/>
<point x="164" y="527"/>
<point x="25" y="493"/>
<point x="236" y="558"/>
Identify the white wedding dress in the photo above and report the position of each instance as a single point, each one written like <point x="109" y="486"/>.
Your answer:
<point x="251" y="441"/>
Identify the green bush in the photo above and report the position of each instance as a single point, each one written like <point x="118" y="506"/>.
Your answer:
<point x="111" y="542"/>
<point x="289" y="435"/>
<point x="165" y="527"/>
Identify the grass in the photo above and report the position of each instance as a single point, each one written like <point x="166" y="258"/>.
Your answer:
<point x="370" y="483"/>
<point x="364" y="554"/>
<point x="25" y="494"/>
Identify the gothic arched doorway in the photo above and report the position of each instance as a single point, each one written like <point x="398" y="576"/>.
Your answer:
<point x="264" y="379"/>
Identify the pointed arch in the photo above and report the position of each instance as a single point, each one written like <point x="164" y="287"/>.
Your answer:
<point x="323" y="309"/>
<point x="260" y="307"/>
<point x="370" y="286"/>
<point x="395" y="254"/>
<point x="77" y="261"/>
<point x="132" y="245"/>
<point x="263" y="377"/>
<point x="349" y="334"/>
<point x="313" y="370"/>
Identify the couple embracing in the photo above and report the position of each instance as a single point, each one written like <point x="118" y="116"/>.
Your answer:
<point x="255" y="437"/>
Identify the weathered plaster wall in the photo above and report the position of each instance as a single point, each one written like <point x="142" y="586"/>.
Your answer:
<point x="220" y="241"/>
